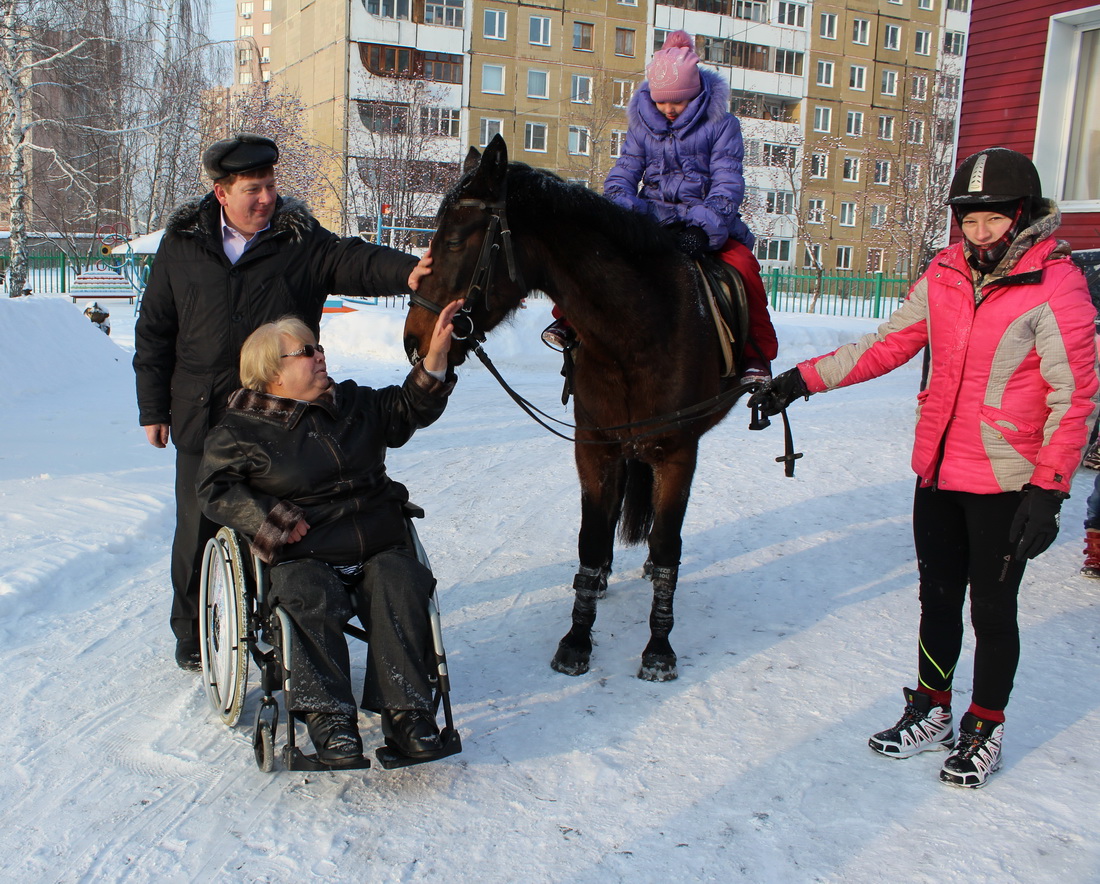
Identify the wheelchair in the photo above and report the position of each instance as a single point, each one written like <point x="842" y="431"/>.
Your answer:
<point x="236" y="625"/>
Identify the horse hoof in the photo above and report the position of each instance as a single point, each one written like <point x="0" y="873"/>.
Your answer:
<point x="658" y="668"/>
<point x="570" y="661"/>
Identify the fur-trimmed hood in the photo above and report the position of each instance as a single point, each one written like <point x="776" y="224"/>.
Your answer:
<point x="710" y="105"/>
<point x="201" y="218"/>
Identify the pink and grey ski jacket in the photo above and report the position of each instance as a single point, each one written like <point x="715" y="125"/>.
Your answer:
<point x="1013" y="373"/>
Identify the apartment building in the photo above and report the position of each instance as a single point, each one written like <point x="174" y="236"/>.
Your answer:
<point x="253" y="33"/>
<point x="840" y="103"/>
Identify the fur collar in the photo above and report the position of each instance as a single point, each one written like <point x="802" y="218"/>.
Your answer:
<point x="278" y="410"/>
<point x="201" y="218"/>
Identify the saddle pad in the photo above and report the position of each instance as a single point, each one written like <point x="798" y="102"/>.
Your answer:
<point x="725" y="294"/>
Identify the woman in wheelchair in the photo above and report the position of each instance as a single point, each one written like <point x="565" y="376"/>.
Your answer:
<point x="298" y="466"/>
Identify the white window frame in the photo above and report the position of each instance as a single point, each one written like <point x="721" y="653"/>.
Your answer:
<point x="954" y="43"/>
<point x="920" y="87"/>
<point x="538" y="30"/>
<point x="847" y="215"/>
<point x="577" y="94"/>
<point x="826" y="26"/>
<point x="876" y="218"/>
<point x="529" y="131"/>
<point x="792" y="15"/>
<point x="857" y="78"/>
<point x="853" y="125"/>
<point x="925" y="4"/>
<point x="886" y="127"/>
<point x="533" y="75"/>
<point x="861" y="31"/>
<point x="621" y="92"/>
<point x="815" y="211"/>
<point x="1059" y="103"/>
<point x="618" y="142"/>
<point x="915" y="131"/>
<point x="495" y="24"/>
<point x="811" y="256"/>
<point x="487" y="128"/>
<point x="823" y="119"/>
<point x="488" y="73"/>
<point x="843" y="257"/>
<point x="579" y="143"/>
<point x="891" y="37"/>
<point x="922" y="43"/>
<point x="889" y="82"/>
<point x="819" y="163"/>
<point x="825" y="73"/>
<point x="850" y="170"/>
<point x="883" y="170"/>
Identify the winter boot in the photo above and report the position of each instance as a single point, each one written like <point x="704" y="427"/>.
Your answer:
<point x="922" y="727"/>
<point x="755" y="370"/>
<point x="1092" y="553"/>
<point x="975" y="755"/>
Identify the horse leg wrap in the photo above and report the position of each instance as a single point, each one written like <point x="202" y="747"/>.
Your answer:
<point x="591" y="579"/>
<point x="664" y="587"/>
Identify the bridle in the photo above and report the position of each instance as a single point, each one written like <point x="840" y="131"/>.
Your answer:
<point x="497" y="234"/>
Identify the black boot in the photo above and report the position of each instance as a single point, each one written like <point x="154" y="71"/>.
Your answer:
<point x="335" y="736"/>
<point x="412" y="732"/>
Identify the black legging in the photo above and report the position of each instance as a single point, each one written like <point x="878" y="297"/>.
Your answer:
<point x="963" y="539"/>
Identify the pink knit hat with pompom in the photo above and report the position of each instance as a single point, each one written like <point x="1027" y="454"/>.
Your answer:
<point x="674" y="71"/>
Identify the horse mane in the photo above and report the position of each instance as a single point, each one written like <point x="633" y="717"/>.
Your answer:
<point x="535" y="195"/>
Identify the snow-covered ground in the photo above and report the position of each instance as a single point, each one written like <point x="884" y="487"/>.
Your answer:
<point x="796" y="619"/>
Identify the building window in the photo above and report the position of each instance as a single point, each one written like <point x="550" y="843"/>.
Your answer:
<point x="945" y="130"/>
<point x="922" y="43"/>
<point x="824" y="73"/>
<point x="882" y="171"/>
<point x="749" y="10"/>
<point x="496" y="24"/>
<point x="920" y="87"/>
<point x="889" y="82"/>
<point x="441" y="67"/>
<point x="773" y="249"/>
<point x="954" y="43"/>
<point x="912" y="174"/>
<point x="861" y="29"/>
<point x="245" y="79"/>
<point x="387" y="61"/>
<point x="580" y="91"/>
<point x="445" y="12"/>
<point x="782" y="155"/>
<point x="857" y="77"/>
<point x="618" y="139"/>
<point x="265" y="55"/>
<point x="534" y="137"/>
<point x="886" y="127"/>
<point x="878" y="217"/>
<point x="492" y="79"/>
<point x="578" y="140"/>
<point x="384" y="117"/>
<point x="949" y="86"/>
<point x="245" y="57"/>
<point x="843" y="257"/>
<point x="847" y="214"/>
<point x="851" y="169"/>
<point x="779" y="202"/>
<point x="811" y="257"/>
<point x="246" y="31"/>
<point x="823" y="119"/>
<point x="582" y="36"/>
<point x="624" y="42"/>
<point x="916" y="131"/>
<point x="440" y="121"/>
<point x="621" y="92"/>
<point x="787" y="61"/>
<point x="891" y="37"/>
<point x="538" y="30"/>
<point x="874" y="260"/>
<point x="826" y="26"/>
<point x="793" y="14"/>
<point x="488" y="129"/>
<point x="628" y="2"/>
<point x="265" y="28"/>
<point x="819" y="165"/>
<point x="752" y="56"/>
<point x="268" y="5"/>
<point x="398" y="9"/>
<point x="538" y="84"/>
<point x="959" y="5"/>
<point x="854" y="125"/>
<point x="926" y="4"/>
<point x="246" y="9"/>
<point x="815" y="211"/>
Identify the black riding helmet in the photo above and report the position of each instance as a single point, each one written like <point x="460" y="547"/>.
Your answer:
<point x="995" y="180"/>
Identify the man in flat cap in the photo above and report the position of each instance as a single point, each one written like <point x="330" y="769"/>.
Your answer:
<point x="230" y="261"/>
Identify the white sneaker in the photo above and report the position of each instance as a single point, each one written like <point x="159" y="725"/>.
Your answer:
<point x="975" y="755"/>
<point x="921" y="728"/>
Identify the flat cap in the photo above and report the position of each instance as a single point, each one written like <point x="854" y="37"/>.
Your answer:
<point x="242" y="153"/>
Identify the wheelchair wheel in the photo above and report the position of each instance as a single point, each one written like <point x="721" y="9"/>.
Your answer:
<point x="263" y="746"/>
<point x="223" y="626"/>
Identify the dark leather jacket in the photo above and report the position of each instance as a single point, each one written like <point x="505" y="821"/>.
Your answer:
<point x="273" y="461"/>
<point x="198" y="308"/>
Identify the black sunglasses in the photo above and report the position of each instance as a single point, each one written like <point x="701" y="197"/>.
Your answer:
<point x="307" y="350"/>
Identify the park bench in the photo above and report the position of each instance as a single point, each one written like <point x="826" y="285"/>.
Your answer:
<point x="98" y="285"/>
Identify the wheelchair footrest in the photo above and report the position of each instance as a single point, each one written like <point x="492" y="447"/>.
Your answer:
<point x="391" y="759"/>
<point x="295" y="759"/>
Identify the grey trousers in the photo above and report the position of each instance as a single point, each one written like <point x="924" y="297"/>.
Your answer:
<point x="391" y="599"/>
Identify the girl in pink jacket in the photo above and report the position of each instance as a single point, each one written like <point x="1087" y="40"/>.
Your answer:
<point x="1001" y="422"/>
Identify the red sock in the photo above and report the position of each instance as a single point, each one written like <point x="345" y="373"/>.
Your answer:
<point x="984" y="714"/>
<point x="939" y="698"/>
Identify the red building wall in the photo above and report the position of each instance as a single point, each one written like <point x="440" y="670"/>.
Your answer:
<point x="1004" y="71"/>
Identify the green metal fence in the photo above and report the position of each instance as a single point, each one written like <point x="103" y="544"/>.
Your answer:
<point x="53" y="274"/>
<point x="836" y="293"/>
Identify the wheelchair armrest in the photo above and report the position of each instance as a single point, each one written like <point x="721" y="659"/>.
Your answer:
<point x="412" y="511"/>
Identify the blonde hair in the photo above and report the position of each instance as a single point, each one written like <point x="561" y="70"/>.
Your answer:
<point x="262" y="353"/>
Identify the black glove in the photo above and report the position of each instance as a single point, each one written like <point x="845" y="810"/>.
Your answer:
<point x="1036" y="522"/>
<point x="693" y="242"/>
<point x="779" y="392"/>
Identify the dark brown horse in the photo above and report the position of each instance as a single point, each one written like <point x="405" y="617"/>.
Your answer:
<point x="648" y="351"/>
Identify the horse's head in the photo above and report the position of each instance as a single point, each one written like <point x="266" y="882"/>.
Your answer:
<point x="473" y="257"/>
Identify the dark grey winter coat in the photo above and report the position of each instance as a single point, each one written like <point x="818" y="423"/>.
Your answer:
<point x="198" y="308"/>
<point x="273" y="461"/>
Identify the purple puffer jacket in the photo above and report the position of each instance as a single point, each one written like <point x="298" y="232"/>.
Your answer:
<point x="690" y="170"/>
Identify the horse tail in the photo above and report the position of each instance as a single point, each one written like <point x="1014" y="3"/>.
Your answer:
<point x="637" y="514"/>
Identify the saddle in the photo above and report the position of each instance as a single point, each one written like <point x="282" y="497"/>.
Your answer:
<point x="725" y="295"/>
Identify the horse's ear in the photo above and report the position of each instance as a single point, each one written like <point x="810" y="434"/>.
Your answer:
<point x="473" y="156"/>
<point x="494" y="164"/>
